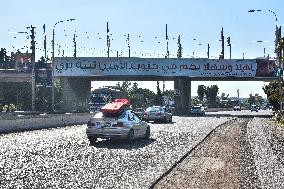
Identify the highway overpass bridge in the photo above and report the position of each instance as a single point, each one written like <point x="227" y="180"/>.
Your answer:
<point x="76" y="75"/>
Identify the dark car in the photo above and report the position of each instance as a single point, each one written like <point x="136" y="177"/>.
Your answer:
<point x="139" y="112"/>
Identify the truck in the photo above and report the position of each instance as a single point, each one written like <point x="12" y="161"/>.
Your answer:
<point x="102" y="96"/>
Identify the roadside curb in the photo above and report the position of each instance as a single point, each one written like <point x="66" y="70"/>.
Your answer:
<point x="45" y="121"/>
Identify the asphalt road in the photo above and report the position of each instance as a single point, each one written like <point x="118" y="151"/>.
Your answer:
<point x="64" y="158"/>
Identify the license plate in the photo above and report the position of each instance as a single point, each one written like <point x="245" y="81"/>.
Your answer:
<point x="98" y="124"/>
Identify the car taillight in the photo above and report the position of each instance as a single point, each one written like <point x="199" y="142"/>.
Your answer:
<point x="159" y="113"/>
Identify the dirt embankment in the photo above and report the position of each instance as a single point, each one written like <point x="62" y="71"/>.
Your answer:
<point x="223" y="160"/>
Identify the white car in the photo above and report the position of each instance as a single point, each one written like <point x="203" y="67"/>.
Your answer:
<point x="197" y="110"/>
<point x="124" y="125"/>
<point x="254" y="108"/>
<point x="237" y="108"/>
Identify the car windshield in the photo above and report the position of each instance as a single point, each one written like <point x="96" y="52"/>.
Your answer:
<point x="96" y="99"/>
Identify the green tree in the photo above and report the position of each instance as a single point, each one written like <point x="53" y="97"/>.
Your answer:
<point x="138" y="97"/>
<point x="126" y="86"/>
<point x="169" y="94"/>
<point x="251" y="99"/>
<point x="272" y="90"/>
<point x="141" y="98"/>
<point x="281" y="48"/>
<point x="148" y="97"/>
<point x="158" y="100"/>
<point x="201" y="91"/>
<point x="211" y="95"/>
<point x="134" y="86"/>
<point x="179" y="52"/>
<point x="195" y="101"/>
<point x="16" y="95"/>
<point x="254" y="99"/>
<point x="43" y="98"/>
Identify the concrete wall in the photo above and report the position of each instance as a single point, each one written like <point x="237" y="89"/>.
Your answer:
<point x="32" y="122"/>
<point x="183" y="99"/>
<point x="75" y="93"/>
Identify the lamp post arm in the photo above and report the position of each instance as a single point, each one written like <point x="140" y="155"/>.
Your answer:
<point x="53" y="66"/>
<point x="274" y="16"/>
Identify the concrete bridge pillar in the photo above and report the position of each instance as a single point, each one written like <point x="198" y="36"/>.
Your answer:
<point x="75" y="94"/>
<point x="182" y="86"/>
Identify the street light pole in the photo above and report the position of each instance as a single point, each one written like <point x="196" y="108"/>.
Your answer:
<point x="276" y="33"/>
<point x="52" y="73"/>
<point x="53" y="66"/>
<point x="33" y="64"/>
<point x="277" y="30"/>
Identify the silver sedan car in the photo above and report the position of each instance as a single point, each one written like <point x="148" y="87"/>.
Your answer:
<point x="125" y="125"/>
<point x="158" y="113"/>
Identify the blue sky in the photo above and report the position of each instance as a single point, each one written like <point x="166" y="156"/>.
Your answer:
<point x="145" y="21"/>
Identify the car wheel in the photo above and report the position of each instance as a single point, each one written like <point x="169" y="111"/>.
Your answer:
<point x="130" y="135"/>
<point x="92" y="139"/>
<point x="165" y="120"/>
<point x="148" y="133"/>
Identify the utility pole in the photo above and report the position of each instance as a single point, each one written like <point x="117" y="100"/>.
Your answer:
<point x="33" y="64"/>
<point x="279" y="51"/>
<point x="128" y="44"/>
<point x="75" y="46"/>
<point x="230" y="45"/>
<point x="264" y="52"/>
<point x="208" y="48"/>
<point x="238" y="92"/>
<point x="222" y="40"/>
<point x="167" y="41"/>
<point x="179" y="53"/>
<point x="44" y="42"/>
<point x="167" y="54"/>
<point x="108" y="41"/>
<point x="278" y="56"/>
